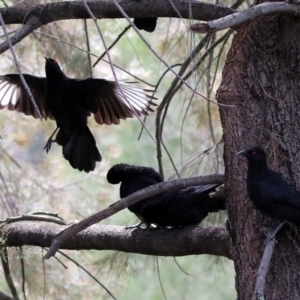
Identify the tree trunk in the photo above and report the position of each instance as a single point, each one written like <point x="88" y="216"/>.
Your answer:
<point x="261" y="79"/>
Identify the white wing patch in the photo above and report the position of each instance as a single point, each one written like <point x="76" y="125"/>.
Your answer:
<point x="134" y="98"/>
<point x="9" y="93"/>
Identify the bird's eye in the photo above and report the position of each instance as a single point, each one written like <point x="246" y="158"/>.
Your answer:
<point x="253" y="153"/>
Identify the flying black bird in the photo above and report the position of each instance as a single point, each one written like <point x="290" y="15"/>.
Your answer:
<point x="147" y="24"/>
<point x="269" y="191"/>
<point x="69" y="102"/>
<point x="188" y="206"/>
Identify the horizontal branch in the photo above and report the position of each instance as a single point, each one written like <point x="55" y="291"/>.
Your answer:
<point x="239" y="18"/>
<point x="58" y="11"/>
<point x="129" y="200"/>
<point x="32" y="17"/>
<point x="191" y="240"/>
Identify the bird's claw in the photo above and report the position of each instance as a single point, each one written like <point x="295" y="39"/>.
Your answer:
<point x="48" y="145"/>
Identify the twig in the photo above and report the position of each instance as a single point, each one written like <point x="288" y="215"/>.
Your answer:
<point x="180" y="268"/>
<point x="111" y="46"/>
<point x="159" y="278"/>
<point x="156" y="88"/>
<point x="129" y="200"/>
<point x="166" y="100"/>
<point x="21" y="254"/>
<point x="112" y="68"/>
<point x="26" y="87"/>
<point x="92" y="54"/>
<point x="44" y="276"/>
<point x="86" y="271"/>
<point x="241" y="17"/>
<point x="7" y="273"/>
<point x="160" y="58"/>
<point x="264" y="264"/>
<point x="88" y="46"/>
<point x="26" y="29"/>
<point x="33" y="218"/>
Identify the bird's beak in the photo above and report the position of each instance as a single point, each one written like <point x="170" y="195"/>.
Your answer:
<point x="47" y="58"/>
<point x="243" y="152"/>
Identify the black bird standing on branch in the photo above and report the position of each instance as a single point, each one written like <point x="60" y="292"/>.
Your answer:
<point x="188" y="206"/>
<point x="70" y="101"/>
<point x="269" y="191"/>
<point x="133" y="179"/>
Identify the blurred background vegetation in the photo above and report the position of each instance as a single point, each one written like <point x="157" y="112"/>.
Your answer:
<point x="31" y="180"/>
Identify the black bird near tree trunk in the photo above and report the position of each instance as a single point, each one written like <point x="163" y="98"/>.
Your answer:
<point x="69" y="101"/>
<point x="268" y="191"/>
<point x="184" y="207"/>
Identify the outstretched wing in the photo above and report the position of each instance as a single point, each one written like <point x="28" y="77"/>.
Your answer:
<point x="14" y="96"/>
<point x="110" y="102"/>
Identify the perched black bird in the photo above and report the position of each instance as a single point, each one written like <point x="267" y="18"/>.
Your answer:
<point x="133" y="179"/>
<point x="179" y="208"/>
<point x="269" y="191"/>
<point x="185" y="207"/>
<point x="70" y="101"/>
<point x="147" y="24"/>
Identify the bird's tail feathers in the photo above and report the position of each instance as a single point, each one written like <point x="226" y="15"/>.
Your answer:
<point x="80" y="149"/>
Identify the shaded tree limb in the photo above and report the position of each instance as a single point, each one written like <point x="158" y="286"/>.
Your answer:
<point x="129" y="200"/>
<point x="241" y="17"/>
<point x="190" y="240"/>
<point x="32" y="17"/>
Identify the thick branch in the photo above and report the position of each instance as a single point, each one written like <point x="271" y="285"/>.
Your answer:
<point x="34" y="16"/>
<point x="129" y="200"/>
<point x="239" y="18"/>
<point x="58" y="11"/>
<point x="173" y="242"/>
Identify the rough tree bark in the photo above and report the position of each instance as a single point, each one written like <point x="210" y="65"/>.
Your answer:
<point x="174" y="242"/>
<point x="262" y="79"/>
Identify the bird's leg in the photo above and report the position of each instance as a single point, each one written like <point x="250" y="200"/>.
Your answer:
<point x="50" y="141"/>
<point x="138" y="225"/>
<point x="273" y="234"/>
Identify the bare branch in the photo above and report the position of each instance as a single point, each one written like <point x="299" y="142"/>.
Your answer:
<point x="7" y="273"/>
<point x="25" y="30"/>
<point x="32" y="17"/>
<point x="26" y="87"/>
<point x="86" y="271"/>
<point x="190" y="240"/>
<point x="129" y="200"/>
<point x="241" y="17"/>
<point x="264" y="264"/>
<point x="120" y="35"/>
